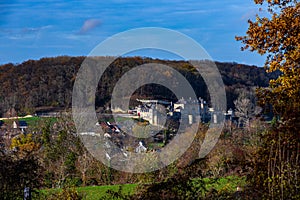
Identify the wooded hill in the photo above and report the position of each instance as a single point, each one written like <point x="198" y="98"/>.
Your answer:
<point x="48" y="82"/>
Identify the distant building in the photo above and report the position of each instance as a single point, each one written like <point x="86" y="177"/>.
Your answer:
<point x="149" y="110"/>
<point x="148" y="113"/>
<point x="141" y="148"/>
<point x="191" y="109"/>
<point x="22" y="125"/>
<point x="15" y="125"/>
<point x="188" y="110"/>
<point x="187" y="106"/>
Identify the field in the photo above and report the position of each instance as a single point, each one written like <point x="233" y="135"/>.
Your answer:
<point x="32" y="120"/>
<point x="228" y="184"/>
<point x="96" y="192"/>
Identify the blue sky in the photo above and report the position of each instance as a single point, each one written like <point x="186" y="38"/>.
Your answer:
<point x="31" y="29"/>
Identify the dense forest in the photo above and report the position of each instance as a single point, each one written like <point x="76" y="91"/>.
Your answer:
<point x="47" y="83"/>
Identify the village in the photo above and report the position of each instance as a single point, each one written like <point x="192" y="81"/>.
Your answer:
<point x="159" y="119"/>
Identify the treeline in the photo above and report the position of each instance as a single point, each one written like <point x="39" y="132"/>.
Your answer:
<point x="48" y="82"/>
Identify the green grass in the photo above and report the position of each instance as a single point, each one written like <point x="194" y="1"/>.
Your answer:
<point x="97" y="192"/>
<point x="34" y="120"/>
<point x="31" y="120"/>
<point x="229" y="183"/>
<point x="223" y="184"/>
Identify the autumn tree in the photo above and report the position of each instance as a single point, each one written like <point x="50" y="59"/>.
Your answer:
<point x="24" y="144"/>
<point x="277" y="35"/>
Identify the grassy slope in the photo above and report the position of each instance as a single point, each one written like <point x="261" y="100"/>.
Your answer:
<point x="97" y="192"/>
<point x="31" y="120"/>
<point x="227" y="184"/>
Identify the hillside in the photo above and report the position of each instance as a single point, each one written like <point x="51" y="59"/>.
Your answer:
<point x="48" y="82"/>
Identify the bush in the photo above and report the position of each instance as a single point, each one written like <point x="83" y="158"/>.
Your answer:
<point x="277" y="167"/>
<point x="16" y="174"/>
<point x="67" y="193"/>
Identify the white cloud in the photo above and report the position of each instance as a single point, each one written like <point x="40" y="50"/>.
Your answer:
<point x="194" y="11"/>
<point x="88" y="25"/>
<point x="35" y="29"/>
<point x="24" y="33"/>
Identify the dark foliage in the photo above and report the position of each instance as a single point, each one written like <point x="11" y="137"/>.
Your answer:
<point x="16" y="174"/>
<point x="47" y="83"/>
<point x="276" y="173"/>
<point x="179" y="186"/>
